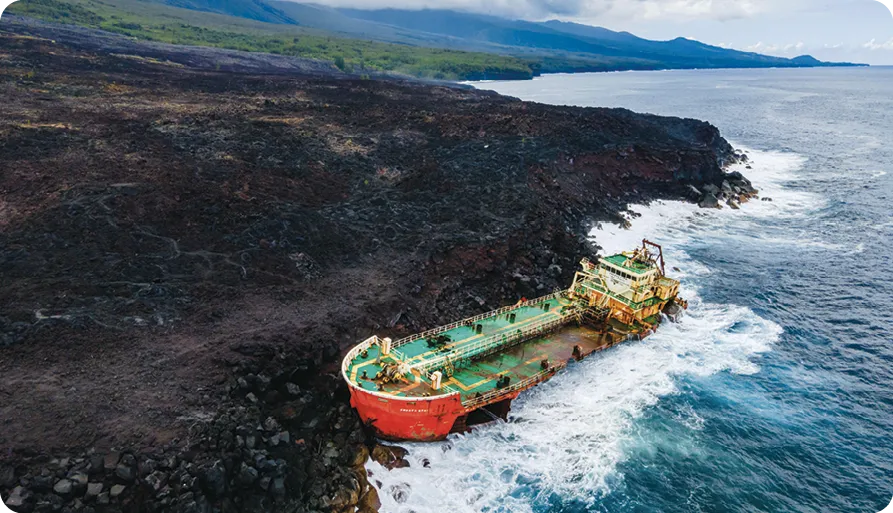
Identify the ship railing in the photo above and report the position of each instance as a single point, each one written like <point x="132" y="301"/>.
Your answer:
<point x="353" y="353"/>
<point x="481" y="347"/>
<point x="471" y="320"/>
<point x="496" y="392"/>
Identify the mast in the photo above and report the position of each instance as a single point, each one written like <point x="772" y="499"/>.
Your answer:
<point x="660" y="254"/>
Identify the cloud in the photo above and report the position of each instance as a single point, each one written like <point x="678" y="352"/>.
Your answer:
<point x="761" y="47"/>
<point x="874" y="45"/>
<point x="583" y="9"/>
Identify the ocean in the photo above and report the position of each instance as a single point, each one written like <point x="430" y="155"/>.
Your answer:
<point x="775" y="391"/>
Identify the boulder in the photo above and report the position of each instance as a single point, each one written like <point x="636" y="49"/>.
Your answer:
<point x="247" y="475"/>
<point x="360" y="457"/>
<point x="710" y="189"/>
<point x="93" y="490"/>
<point x="370" y="500"/>
<point x="214" y="480"/>
<point x="673" y="311"/>
<point x="390" y="456"/>
<point x="78" y="482"/>
<point x="709" y="201"/>
<point x="292" y="389"/>
<point x="97" y="464"/>
<point x="125" y="473"/>
<point x="694" y="193"/>
<point x="737" y="177"/>
<point x="270" y="425"/>
<point x="111" y="460"/>
<point x="732" y="204"/>
<point x="344" y="499"/>
<point x="42" y="483"/>
<point x="63" y="487"/>
<point x="278" y="487"/>
<point x="156" y="480"/>
<point x="19" y="498"/>
<point x="117" y="490"/>
<point x="51" y="502"/>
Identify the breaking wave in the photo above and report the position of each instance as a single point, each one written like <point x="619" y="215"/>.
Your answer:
<point x="565" y="438"/>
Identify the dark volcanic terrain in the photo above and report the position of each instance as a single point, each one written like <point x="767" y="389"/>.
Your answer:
<point x="185" y="254"/>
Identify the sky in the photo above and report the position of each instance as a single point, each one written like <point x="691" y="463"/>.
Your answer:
<point x="833" y="30"/>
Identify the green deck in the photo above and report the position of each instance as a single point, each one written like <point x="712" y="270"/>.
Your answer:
<point x="519" y="362"/>
<point x="628" y="264"/>
<point x="480" y="376"/>
<point x="513" y="343"/>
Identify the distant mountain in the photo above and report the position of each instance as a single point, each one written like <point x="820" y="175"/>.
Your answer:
<point x="250" y="9"/>
<point x="332" y="20"/>
<point x="591" y="32"/>
<point x="483" y="47"/>
<point x="572" y="40"/>
<point x="807" y="60"/>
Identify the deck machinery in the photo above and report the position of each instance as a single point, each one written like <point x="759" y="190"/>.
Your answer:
<point x="428" y="385"/>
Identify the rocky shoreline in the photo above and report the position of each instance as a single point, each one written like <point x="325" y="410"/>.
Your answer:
<point x="187" y="254"/>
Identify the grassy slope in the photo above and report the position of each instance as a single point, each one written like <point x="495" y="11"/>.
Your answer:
<point x="157" y="22"/>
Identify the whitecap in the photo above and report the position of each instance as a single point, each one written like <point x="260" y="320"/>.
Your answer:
<point x="566" y="437"/>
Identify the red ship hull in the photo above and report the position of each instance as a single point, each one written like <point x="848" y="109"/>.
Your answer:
<point x="425" y="419"/>
<point x="396" y="418"/>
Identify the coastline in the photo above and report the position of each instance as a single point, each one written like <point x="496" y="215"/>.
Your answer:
<point x="548" y="441"/>
<point x="261" y="226"/>
<point x="473" y="83"/>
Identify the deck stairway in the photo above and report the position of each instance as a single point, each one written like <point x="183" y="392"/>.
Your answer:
<point x="448" y="368"/>
<point x="595" y="316"/>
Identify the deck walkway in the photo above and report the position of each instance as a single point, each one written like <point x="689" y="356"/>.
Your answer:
<point x="480" y="374"/>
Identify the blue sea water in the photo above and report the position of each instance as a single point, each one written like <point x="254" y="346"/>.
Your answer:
<point x="775" y="392"/>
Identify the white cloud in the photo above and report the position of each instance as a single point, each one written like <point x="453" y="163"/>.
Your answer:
<point x="715" y="9"/>
<point x="761" y="47"/>
<point x="874" y="45"/>
<point x="587" y="9"/>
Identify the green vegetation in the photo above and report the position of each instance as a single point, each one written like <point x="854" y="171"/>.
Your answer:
<point x="53" y="10"/>
<point x="156" y="22"/>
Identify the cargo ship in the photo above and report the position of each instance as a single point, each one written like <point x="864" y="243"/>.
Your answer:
<point x="447" y="379"/>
